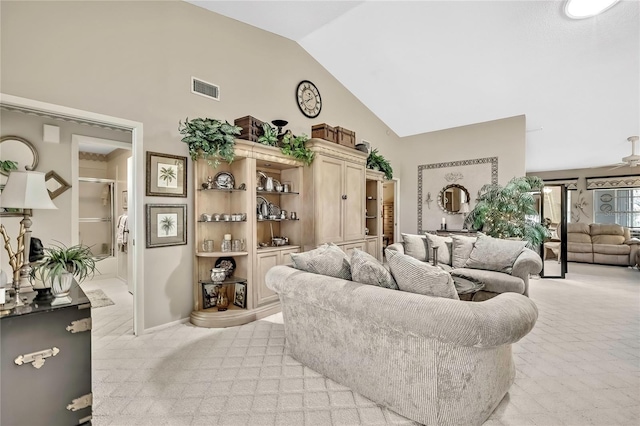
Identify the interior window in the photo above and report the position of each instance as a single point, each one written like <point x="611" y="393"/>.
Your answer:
<point x="620" y="206"/>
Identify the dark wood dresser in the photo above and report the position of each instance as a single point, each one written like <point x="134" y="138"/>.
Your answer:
<point x="45" y="360"/>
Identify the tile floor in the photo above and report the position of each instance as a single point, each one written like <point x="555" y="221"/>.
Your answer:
<point x="580" y="365"/>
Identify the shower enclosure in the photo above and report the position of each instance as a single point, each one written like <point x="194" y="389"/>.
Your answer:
<point x="96" y="225"/>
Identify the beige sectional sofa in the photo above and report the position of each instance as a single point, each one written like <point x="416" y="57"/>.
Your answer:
<point x="435" y="360"/>
<point x="601" y="243"/>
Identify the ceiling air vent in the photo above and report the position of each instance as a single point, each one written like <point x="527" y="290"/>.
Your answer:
<point x="202" y="88"/>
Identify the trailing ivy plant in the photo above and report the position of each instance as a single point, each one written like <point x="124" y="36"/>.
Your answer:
<point x="210" y="139"/>
<point x="269" y="135"/>
<point x="375" y="161"/>
<point x="295" y="146"/>
<point x="509" y="211"/>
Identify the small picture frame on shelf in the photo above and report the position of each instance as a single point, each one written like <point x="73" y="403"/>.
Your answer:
<point x="166" y="175"/>
<point x="166" y="225"/>
<point x="240" y="296"/>
<point x="209" y="295"/>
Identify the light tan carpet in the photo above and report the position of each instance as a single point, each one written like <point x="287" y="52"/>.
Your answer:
<point x="579" y="366"/>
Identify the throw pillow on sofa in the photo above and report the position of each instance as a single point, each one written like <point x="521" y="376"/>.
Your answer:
<point x="416" y="246"/>
<point x="415" y="276"/>
<point x="328" y="259"/>
<point x="444" y="247"/>
<point x="366" y="269"/>
<point x="494" y="254"/>
<point x="461" y="249"/>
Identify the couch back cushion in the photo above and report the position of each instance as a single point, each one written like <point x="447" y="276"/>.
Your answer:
<point x="328" y="259"/>
<point x="494" y="254"/>
<point x="419" y="277"/>
<point x="416" y="246"/>
<point x="607" y="234"/>
<point x="444" y="247"/>
<point x="366" y="269"/>
<point x="578" y="233"/>
<point x="461" y="249"/>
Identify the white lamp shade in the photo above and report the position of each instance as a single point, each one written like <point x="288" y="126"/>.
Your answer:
<point x="26" y="190"/>
<point x="464" y="208"/>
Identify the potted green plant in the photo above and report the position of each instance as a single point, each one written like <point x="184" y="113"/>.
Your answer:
<point x="58" y="267"/>
<point x="296" y="147"/>
<point x="210" y="139"/>
<point x="509" y="211"/>
<point x="375" y="161"/>
<point x="269" y="135"/>
<point x="8" y="165"/>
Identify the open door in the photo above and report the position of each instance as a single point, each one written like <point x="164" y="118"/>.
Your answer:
<point x="553" y="211"/>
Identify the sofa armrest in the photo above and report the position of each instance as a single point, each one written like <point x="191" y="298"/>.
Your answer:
<point x="528" y="262"/>
<point x="502" y="320"/>
<point x="399" y="247"/>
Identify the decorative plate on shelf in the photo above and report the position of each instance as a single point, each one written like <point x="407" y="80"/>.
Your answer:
<point x="228" y="264"/>
<point x="274" y="210"/>
<point x="261" y="179"/>
<point x="260" y="200"/>
<point x="224" y="180"/>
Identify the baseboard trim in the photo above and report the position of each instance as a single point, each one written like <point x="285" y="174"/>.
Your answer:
<point x="163" y="326"/>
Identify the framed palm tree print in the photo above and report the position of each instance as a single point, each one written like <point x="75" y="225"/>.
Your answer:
<point x="166" y="175"/>
<point x="166" y="225"/>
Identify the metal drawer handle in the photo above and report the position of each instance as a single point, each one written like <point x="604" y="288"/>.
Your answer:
<point x="37" y="358"/>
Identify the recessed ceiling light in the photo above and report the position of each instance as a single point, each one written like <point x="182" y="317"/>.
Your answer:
<point x="580" y="9"/>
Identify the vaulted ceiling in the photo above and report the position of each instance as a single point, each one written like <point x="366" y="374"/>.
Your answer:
<point x="422" y="66"/>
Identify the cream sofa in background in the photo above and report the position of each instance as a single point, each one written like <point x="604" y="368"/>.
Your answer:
<point x="601" y="243"/>
<point x="435" y="360"/>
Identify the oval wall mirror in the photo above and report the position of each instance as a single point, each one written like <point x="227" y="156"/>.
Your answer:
<point x="20" y="150"/>
<point x="451" y="197"/>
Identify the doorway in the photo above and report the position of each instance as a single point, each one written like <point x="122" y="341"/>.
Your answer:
<point x="553" y="214"/>
<point x="136" y="194"/>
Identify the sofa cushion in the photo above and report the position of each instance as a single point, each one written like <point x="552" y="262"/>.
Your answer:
<point x="496" y="282"/>
<point x="444" y="247"/>
<point x="416" y="246"/>
<point x="578" y="233"/>
<point x="366" y="269"/>
<point x="608" y="239"/>
<point x="461" y="248"/>
<point x="414" y="276"/>
<point x="611" y="249"/>
<point x="494" y="254"/>
<point x="579" y="247"/>
<point x="328" y="259"/>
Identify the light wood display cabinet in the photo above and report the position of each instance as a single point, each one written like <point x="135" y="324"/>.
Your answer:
<point x="373" y="213"/>
<point x="253" y="254"/>
<point x="334" y="196"/>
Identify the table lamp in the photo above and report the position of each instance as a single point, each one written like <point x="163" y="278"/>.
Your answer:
<point x="25" y="190"/>
<point x="464" y="209"/>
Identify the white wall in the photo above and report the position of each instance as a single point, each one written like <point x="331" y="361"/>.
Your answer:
<point x="134" y="60"/>
<point x="504" y="139"/>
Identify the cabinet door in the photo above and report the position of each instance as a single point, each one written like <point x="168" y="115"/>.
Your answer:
<point x="265" y="261"/>
<point x="348" y="248"/>
<point x="328" y="200"/>
<point x="354" y="221"/>
<point x="373" y="248"/>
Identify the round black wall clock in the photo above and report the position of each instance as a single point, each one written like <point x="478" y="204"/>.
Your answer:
<point x="308" y="98"/>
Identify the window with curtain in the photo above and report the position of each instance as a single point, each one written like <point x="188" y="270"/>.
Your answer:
<point x="620" y="206"/>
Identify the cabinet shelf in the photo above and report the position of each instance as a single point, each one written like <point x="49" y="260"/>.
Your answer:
<point x="221" y="190"/>
<point x="371" y="217"/>
<point x="228" y="281"/>
<point x="277" y="192"/>
<point x="276" y="220"/>
<point x="221" y="221"/>
<point x="220" y="253"/>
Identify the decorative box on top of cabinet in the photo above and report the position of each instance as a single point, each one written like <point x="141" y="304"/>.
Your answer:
<point x="45" y="361"/>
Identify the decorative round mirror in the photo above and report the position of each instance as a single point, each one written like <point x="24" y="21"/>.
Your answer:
<point x="19" y="150"/>
<point x="451" y="198"/>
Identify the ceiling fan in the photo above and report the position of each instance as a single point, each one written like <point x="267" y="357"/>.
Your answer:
<point x="632" y="160"/>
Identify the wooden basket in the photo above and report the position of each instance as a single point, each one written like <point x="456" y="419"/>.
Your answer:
<point x="251" y="128"/>
<point x="323" y="131"/>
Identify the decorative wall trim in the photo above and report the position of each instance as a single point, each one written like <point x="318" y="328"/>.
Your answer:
<point x="92" y="156"/>
<point x="608" y="182"/>
<point x="570" y="183"/>
<point x="492" y="161"/>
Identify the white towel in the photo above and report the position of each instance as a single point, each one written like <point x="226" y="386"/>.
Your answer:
<point x="122" y="237"/>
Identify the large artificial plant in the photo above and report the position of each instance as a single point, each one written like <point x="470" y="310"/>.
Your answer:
<point x="210" y="139"/>
<point x="509" y="211"/>
<point x="296" y="147"/>
<point x="375" y="161"/>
